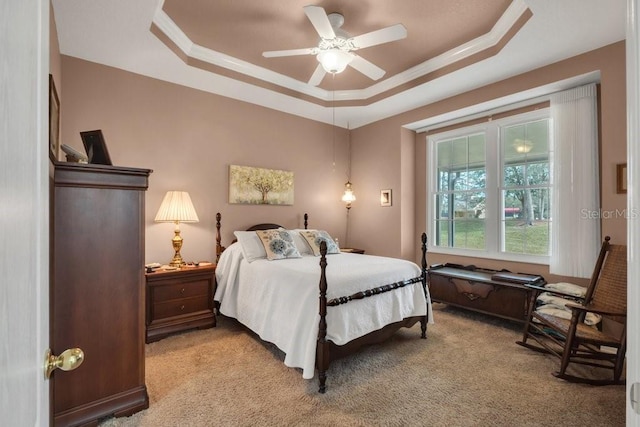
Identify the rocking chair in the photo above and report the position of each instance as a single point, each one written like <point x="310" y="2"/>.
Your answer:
<point x="572" y="340"/>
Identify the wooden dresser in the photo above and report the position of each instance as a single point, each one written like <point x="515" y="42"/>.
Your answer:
<point x="178" y="300"/>
<point x="97" y="290"/>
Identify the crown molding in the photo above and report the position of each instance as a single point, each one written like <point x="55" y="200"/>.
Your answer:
<point x="192" y="50"/>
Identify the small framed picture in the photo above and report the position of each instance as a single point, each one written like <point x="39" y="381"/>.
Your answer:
<point x="54" y="120"/>
<point x="385" y="197"/>
<point x="621" y="178"/>
<point x="95" y="147"/>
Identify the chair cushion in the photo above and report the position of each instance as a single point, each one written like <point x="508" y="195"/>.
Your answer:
<point x="583" y="332"/>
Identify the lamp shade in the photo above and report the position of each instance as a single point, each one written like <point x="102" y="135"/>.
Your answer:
<point x="176" y="207"/>
<point x="348" y="196"/>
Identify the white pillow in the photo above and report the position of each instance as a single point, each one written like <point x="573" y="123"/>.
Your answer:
<point x="300" y="242"/>
<point x="278" y="244"/>
<point x="568" y="288"/>
<point x="549" y="299"/>
<point x="314" y="237"/>
<point x="252" y="247"/>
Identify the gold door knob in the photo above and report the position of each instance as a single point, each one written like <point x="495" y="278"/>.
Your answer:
<point x="69" y="360"/>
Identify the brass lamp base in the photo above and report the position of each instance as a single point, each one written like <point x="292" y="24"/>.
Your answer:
<point x="177" y="260"/>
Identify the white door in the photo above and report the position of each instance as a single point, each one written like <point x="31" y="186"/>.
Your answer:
<point x="24" y="212"/>
<point x="633" y="205"/>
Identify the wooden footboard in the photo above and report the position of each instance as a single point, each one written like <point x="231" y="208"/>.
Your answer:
<point x="327" y="351"/>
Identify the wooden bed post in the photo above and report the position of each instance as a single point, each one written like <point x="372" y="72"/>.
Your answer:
<point x="306" y="220"/>
<point x="218" y="238"/>
<point x="423" y="321"/>
<point x="322" y="349"/>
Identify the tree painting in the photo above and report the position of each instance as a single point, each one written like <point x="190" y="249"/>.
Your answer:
<point x="260" y="186"/>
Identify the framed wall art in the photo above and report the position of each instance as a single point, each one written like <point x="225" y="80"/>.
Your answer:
<point x="385" y="197"/>
<point x="54" y="120"/>
<point x="259" y="186"/>
<point x="621" y="178"/>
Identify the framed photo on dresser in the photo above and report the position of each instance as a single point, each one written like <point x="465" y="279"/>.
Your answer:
<point x="95" y="147"/>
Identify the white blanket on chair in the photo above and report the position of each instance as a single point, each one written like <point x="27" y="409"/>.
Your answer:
<point x="556" y="306"/>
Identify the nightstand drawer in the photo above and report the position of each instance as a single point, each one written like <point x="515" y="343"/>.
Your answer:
<point x="180" y="290"/>
<point x="178" y="307"/>
<point x="178" y="300"/>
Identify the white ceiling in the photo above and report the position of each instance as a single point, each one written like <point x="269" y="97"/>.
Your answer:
<point x="118" y="33"/>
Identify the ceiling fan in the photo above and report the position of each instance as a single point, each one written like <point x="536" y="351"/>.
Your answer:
<point x="335" y="48"/>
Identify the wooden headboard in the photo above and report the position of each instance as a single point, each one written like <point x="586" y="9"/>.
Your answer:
<point x="263" y="226"/>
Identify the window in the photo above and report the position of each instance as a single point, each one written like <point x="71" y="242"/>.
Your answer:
<point x="490" y="189"/>
<point x="461" y="192"/>
<point x="525" y="188"/>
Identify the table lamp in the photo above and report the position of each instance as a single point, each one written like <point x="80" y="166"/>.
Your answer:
<point x="176" y="207"/>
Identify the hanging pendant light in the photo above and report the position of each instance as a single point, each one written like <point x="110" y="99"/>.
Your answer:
<point x="348" y="197"/>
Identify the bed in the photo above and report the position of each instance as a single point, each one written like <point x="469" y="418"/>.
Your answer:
<point x="318" y="305"/>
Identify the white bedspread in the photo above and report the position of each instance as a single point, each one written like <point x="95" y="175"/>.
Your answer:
<point x="278" y="300"/>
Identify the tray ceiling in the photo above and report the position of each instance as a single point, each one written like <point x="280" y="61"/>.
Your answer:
<point x="451" y="46"/>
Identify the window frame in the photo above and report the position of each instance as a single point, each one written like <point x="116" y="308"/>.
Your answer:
<point x="493" y="162"/>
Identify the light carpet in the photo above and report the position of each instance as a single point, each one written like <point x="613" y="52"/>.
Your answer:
<point x="469" y="372"/>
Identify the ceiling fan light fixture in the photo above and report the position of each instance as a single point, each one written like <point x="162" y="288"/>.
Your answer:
<point x="333" y="51"/>
<point x="334" y="60"/>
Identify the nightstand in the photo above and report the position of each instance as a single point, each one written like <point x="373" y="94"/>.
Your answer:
<point x="178" y="300"/>
<point x="352" y="250"/>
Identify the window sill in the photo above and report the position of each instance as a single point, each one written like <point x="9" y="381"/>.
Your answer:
<point x="469" y="253"/>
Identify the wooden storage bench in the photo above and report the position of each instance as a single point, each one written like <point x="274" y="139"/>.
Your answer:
<point x="498" y="293"/>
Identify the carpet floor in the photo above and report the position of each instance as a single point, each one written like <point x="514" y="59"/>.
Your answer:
<point x="469" y="372"/>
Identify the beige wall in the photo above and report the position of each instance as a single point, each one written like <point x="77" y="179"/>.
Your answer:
<point x="189" y="138"/>
<point x="379" y="147"/>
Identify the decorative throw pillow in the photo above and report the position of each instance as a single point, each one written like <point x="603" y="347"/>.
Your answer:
<point x="314" y="237"/>
<point x="278" y="244"/>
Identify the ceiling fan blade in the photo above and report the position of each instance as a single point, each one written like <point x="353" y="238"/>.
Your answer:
<point x="383" y="35"/>
<point x="317" y="76"/>
<point x="367" y="68"/>
<point x="290" y="52"/>
<point x="320" y="21"/>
